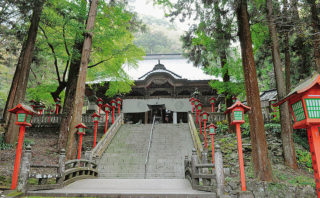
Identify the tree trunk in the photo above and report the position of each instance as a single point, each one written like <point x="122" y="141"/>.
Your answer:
<point x="316" y="33"/>
<point x="77" y="88"/>
<point x="286" y="47"/>
<point x="286" y="132"/>
<point x="260" y="159"/>
<point x="21" y="75"/>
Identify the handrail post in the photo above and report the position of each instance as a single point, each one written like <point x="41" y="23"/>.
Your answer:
<point x="204" y="159"/>
<point x="219" y="171"/>
<point x="194" y="169"/>
<point x="62" y="165"/>
<point x="25" y="169"/>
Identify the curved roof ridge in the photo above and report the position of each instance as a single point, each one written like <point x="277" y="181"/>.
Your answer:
<point x="157" y="68"/>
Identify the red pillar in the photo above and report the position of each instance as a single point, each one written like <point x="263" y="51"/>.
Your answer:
<point x="212" y="107"/>
<point x="57" y="109"/>
<point x="212" y="145"/>
<point x="106" y="125"/>
<point x="80" y="145"/>
<point x="18" y="158"/>
<point x="95" y="134"/>
<point x="314" y="142"/>
<point x="241" y="163"/>
<point x="205" y="134"/>
<point x="99" y="108"/>
<point x="113" y="114"/>
<point x="118" y="109"/>
<point x="200" y="124"/>
<point x="196" y="115"/>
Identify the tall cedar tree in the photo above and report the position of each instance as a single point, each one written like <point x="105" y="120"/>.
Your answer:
<point x="21" y="75"/>
<point x="261" y="163"/>
<point x="74" y="116"/>
<point x="286" y="129"/>
<point x="316" y="30"/>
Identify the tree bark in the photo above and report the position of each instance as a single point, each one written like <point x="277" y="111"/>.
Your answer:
<point x="77" y="88"/>
<point x="286" y="131"/>
<point x="261" y="163"/>
<point x="21" y="75"/>
<point x="316" y="33"/>
<point x="286" y="47"/>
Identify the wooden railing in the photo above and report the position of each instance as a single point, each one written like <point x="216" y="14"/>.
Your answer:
<point x="107" y="138"/>
<point x="51" y="120"/>
<point x="195" y="135"/>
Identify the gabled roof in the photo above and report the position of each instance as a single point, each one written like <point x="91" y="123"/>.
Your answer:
<point x="237" y="104"/>
<point x="269" y="95"/>
<point x="160" y="68"/>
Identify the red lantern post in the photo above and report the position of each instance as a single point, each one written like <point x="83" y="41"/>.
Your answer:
<point x="196" y="102"/>
<point x="107" y="108"/>
<point x="95" y="117"/>
<point x="81" y="130"/>
<point x="58" y="104"/>
<point x="304" y="102"/>
<point x="113" y="105"/>
<point x="212" y="132"/>
<point x="212" y="101"/>
<point x="237" y="111"/>
<point x="204" y="116"/>
<point x="100" y="103"/>
<point x="33" y="104"/>
<point x="191" y="100"/>
<point x="40" y="108"/>
<point x="24" y="116"/>
<point x="119" y="102"/>
<point x="199" y="109"/>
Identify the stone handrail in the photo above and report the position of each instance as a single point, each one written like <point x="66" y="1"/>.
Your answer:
<point x="205" y="176"/>
<point x="194" y="134"/>
<point x="65" y="172"/>
<point x="107" y="138"/>
<point x="149" y="146"/>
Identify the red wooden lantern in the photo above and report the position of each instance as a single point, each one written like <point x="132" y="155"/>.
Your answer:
<point x="95" y="117"/>
<point x="40" y="107"/>
<point x="199" y="109"/>
<point x="205" y="116"/>
<point x="212" y="131"/>
<point x="58" y="105"/>
<point x="304" y="102"/>
<point x="119" y="102"/>
<point x="107" y="109"/>
<point x="32" y="104"/>
<point x="100" y="103"/>
<point x="212" y="101"/>
<point x="237" y="111"/>
<point x="81" y="130"/>
<point x="191" y="100"/>
<point x="195" y="103"/>
<point x="24" y="116"/>
<point x="113" y="105"/>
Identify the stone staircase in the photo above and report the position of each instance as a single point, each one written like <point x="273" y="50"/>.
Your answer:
<point x="125" y="157"/>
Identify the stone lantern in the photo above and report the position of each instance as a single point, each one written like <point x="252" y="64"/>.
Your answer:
<point x="212" y="131"/>
<point x="81" y="130"/>
<point x="304" y="103"/>
<point x="95" y="117"/>
<point x="24" y="116"/>
<point x="237" y="111"/>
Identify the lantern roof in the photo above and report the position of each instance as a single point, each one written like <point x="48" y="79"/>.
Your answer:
<point x="301" y="88"/>
<point x="237" y="104"/>
<point x="212" y="98"/>
<point x="81" y="125"/>
<point x="212" y="125"/>
<point x="204" y="113"/>
<point x="95" y="115"/>
<point x="99" y="99"/>
<point x="23" y="107"/>
<point x="57" y="100"/>
<point x="199" y="105"/>
<point x="107" y="105"/>
<point x="117" y="99"/>
<point x="191" y="99"/>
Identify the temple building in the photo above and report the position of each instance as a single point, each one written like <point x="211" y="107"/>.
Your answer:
<point x="160" y="92"/>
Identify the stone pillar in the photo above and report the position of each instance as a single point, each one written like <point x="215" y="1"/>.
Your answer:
<point x="219" y="170"/>
<point x="175" y="117"/>
<point x="204" y="159"/>
<point x="61" y="169"/>
<point x="194" y="162"/>
<point x="25" y="169"/>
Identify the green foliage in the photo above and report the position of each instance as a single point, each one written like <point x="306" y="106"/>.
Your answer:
<point x="304" y="158"/>
<point x="4" y="145"/>
<point x="222" y="127"/>
<point x="42" y="93"/>
<point x="274" y="128"/>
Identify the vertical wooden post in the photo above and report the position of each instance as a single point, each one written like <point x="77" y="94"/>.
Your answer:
<point x="25" y="169"/>
<point x="118" y="109"/>
<point x="212" y="145"/>
<point x="200" y="123"/>
<point x="212" y="107"/>
<point x="18" y="158"/>
<point x="241" y="163"/>
<point x="80" y="146"/>
<point x="314" y="142"/>
<point x="205" y="134"/>
<point x="113" y="114"/>
<point x="95" y="134"/>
